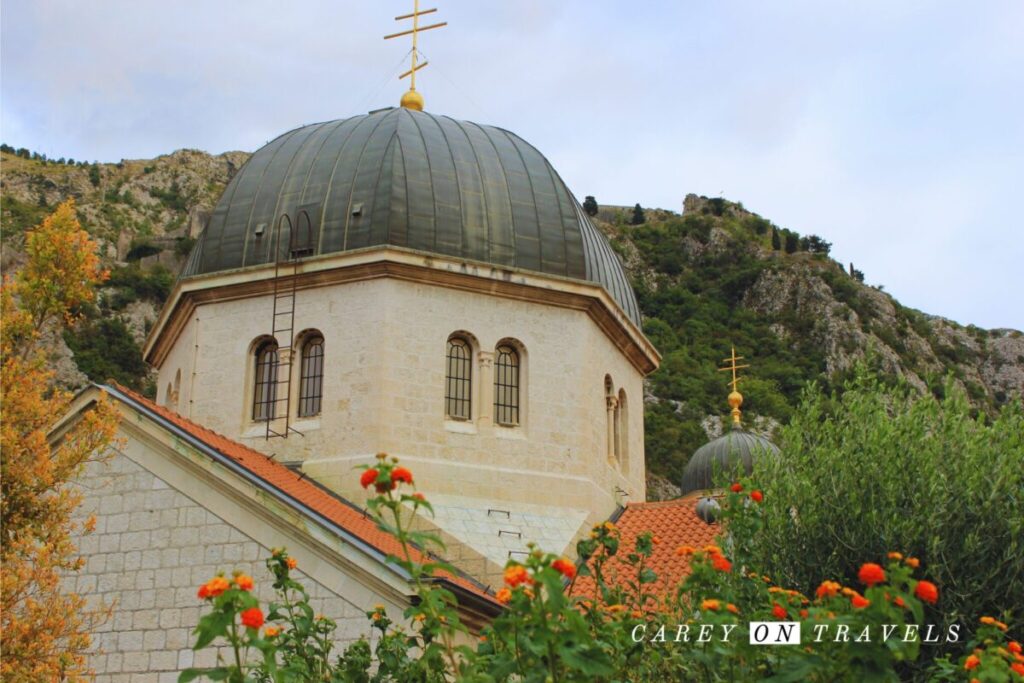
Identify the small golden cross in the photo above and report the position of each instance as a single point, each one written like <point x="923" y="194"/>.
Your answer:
<point x="733" y="367"/>
<point x="414" y="31"/>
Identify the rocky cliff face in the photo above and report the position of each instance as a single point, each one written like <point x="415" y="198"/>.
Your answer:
<point x="144" y="214"/>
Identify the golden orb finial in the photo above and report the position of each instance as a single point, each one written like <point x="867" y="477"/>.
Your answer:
<point x="735" y="397"/>
<point x="412" y="100"/>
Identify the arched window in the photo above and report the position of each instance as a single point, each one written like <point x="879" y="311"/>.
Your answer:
<point x="617" y="431"/>
<point x="311" y="376"/>
<point x="506" y="386"/>
<point x="611" y="422"/>
<point x="264" y="400"/>
<point x="622" y="420"/>
<point x="458" y="379"/>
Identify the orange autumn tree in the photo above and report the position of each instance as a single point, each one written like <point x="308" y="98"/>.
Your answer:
<point x="44" y="631"/>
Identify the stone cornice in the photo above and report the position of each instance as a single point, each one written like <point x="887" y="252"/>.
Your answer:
<point x="412" y="266"/>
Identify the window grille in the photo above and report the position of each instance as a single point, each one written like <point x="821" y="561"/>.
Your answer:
<point x="311" y="377"/>
<point x="506" y="386"/>
<point x="265" y="395"/>
<point x="458" y="383"/>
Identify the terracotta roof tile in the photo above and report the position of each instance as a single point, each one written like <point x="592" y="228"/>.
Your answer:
<point x="339" y="511"/>
<point x="673" y="523"/>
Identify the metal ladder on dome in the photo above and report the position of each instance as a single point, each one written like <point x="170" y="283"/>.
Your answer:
<point x="282" y="329"/>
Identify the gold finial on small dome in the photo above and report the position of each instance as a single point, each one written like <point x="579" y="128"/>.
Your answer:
<point x="735" y="397"/>
<point x="412" y="99"/>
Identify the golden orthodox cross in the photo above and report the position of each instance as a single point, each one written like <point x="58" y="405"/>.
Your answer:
<point x="733" y="367"/>
<point x="414" y="65"/>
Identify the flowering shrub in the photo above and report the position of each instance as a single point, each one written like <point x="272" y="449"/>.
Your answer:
<point x="624" y="631"/>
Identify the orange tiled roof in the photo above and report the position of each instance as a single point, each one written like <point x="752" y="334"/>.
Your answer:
<point x="673" y="523"/>
<point x="332" y="507"/>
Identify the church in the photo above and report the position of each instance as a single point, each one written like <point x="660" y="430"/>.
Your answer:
<point x="395" y="282"/>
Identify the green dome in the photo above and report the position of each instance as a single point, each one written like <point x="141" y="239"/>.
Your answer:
<point x="415" y="180"/>
<point x="732" y="450"/>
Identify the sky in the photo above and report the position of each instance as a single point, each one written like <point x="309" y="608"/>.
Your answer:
<point x="895" y="130"/>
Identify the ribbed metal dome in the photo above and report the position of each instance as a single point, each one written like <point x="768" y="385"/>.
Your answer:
<point x="730" y="451"/>
<point x="415" y="180"/>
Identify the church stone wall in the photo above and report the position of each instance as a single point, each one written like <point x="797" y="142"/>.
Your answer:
<point x="152" y="547"/>
<point x="384" y="385"/>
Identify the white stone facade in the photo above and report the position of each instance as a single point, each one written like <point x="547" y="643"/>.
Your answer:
<point x="384" y="381"/>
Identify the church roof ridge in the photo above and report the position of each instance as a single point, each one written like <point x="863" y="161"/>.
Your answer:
<point x="294" y="487"/>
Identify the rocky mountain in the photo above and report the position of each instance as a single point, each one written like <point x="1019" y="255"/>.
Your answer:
<point x="709" y="278"/>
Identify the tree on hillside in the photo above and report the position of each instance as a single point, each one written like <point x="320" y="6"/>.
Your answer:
<point x="590" y="205"/>
<point x="44" y="632"/>
<point x="638" y="217"/>
<point x="776" y="243"/>
<point x="792" y="242"/>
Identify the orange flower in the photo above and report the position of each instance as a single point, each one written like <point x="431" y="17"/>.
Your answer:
<point x="252" y="617"/>
<point x="732" y="608"/>
<point x="401" y="474"/>
<point x="271" y="631"/>
<point x="636" y="614"/>
<point x="291" y="562"/>
<point x="927" y="591"/>
<point x="779" y="612"/>
<point x="215" y="587"/>
<point x="828" y="589"/>
<point x="710" y="604"/>
<point x="369" y="476"/>
<point x="420" y="497"/>
<point x="913" y="562"/>
<point x="1014" y="647"/>
<point x="895" y="556"/>
<point x="756" y="496"/>
<point x="859" y="601"/>
<point x="516" y="574"/>
<point x="245" y="582"/>
<point x="567" y="568"/>
<point x="870" y="574"/>
<point x="736" y="488"/>
<point x="971" y="662"/>
<point x="992" y="621"/>
<point x="685" y="550"/>
<point x="720" y="563"/>
<point x="713" y="549"/>
<point x="804" y="613"/>
<point x="899" y="602"/>
<point x="204" y="592"/>
<point x="1018" y="668"/>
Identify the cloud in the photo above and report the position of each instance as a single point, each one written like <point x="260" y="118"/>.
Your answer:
<point x="891" y="129"/>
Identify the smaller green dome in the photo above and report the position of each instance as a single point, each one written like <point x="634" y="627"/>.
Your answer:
<point x="733" y="449"/>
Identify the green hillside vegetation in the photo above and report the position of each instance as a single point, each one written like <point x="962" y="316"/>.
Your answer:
<point x="693" y="276"/>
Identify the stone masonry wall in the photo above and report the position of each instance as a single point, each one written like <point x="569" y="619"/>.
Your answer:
<point x="152" y="547"/>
